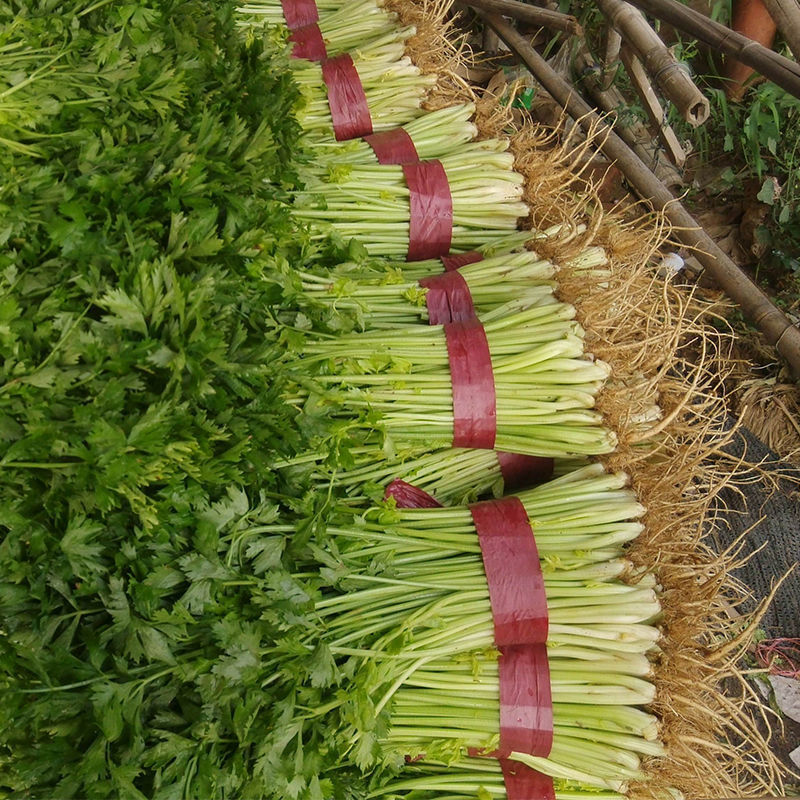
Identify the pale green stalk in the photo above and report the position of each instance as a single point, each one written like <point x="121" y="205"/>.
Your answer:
<point x="371" y="202"/>
<point x="544" y="385"/>
<point x="434" y="135"/>
<point x="394" y="88"/>
<point x="344" y="27"/>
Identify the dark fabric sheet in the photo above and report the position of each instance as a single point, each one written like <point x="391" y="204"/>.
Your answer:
<point x="778" y="533"/>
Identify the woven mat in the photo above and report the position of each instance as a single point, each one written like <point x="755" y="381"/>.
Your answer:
<point x="773" y="514"/>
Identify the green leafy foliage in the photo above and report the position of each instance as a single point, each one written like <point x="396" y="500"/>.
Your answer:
<point x="146" y="165"/>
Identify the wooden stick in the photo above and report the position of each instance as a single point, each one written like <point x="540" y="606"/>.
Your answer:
<point x="673" y="80"/>
<point x="543" y="17"/>
<point x="786" y="14"/>
<point x="755" y="305"/>
<point x="634" y="132"/>
<point x="611" y="56"/>
<point x="781" y="71"/>
<point x="652" y="106"/>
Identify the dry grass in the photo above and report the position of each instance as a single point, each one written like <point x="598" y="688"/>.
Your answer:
<point x="435" y="48"/>
<point x="772" y="411"/>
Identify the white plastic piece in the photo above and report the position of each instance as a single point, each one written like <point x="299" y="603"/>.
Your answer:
<point x="671" y="264"/>
<point x="787" y="695"/>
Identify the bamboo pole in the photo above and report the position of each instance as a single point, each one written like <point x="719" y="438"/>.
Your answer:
<point x="634" y="132"/>
<point x="786" y="14"/>
<point x="611" y="56"/>
<point x="755" y="305"/>
<point x="533" y="15"/>
<point x="673" y="80"/>
<point x="781" y="71"/>
<point x="652" y="106"/>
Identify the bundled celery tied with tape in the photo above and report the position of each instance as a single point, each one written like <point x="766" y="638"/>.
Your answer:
<point x="393" y="86"/>
<point x="372" y="203"/>
<point x="391" y="297"/>
<point x="343" y="27"/>
<point x="407" y="609"/>
<point x="398" y="384"/>
<point x="433" y="135"/>
<point x="451" y="475"/>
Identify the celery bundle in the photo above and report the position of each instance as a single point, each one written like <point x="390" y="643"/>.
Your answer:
<point x="344" y="26"/>
<point x="371" y="203"/>
<point x="468" y="779"/>
<point x="581" y="521"/>
<point x="399" y="382"/>
<point x="435" y="134"/>
<point x="271" y="11"/>
<point x="389" y="299"/>
<point x="451" y="475"/>
<point x="394" y="87"/>
<point x="412" y="609"/>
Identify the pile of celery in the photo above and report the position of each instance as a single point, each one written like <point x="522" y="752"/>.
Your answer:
<point x="398" y="382"/>
<point x="401" y="618"/>
<point x="405" y="608"/>
<point x="371" y="202"/>
<point x="207" y="585"/>
<point x="343" y="27"/>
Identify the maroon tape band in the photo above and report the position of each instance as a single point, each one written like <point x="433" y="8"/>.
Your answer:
<point x="474" y="398"/>
<point x="513" y="571"/>
<point x="431" y="221"/>
<point x="308" y="43"/>
<point x="524" y="783"/>
<point x="393" y="147"/>
<point x="448" y="298"/>
<point x="460" y="260"/>
<point x="299" y="13"/>
<point x="521" y="472"/>
<point x="526" y="703"/>
<point x="346" y="98"/>
<point x="408" y="496"/>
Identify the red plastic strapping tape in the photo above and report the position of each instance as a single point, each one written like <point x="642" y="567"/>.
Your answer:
<point x="524" y="783"/>
<point x="408" y="496"/>
<point x="393" y="147"/>
<point x="472" y="376"/>
<point x="526" y="703"/>
<point x="521" y="472"/>
<point x="460" y="260"/>
<point x="308" y="43"/>
<point x="513" y="571"/>
<point x="299" y="13"/>
<point x="448" y="298"/>
<point x="346" y="98"/>
<point x="431" y="221"/>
